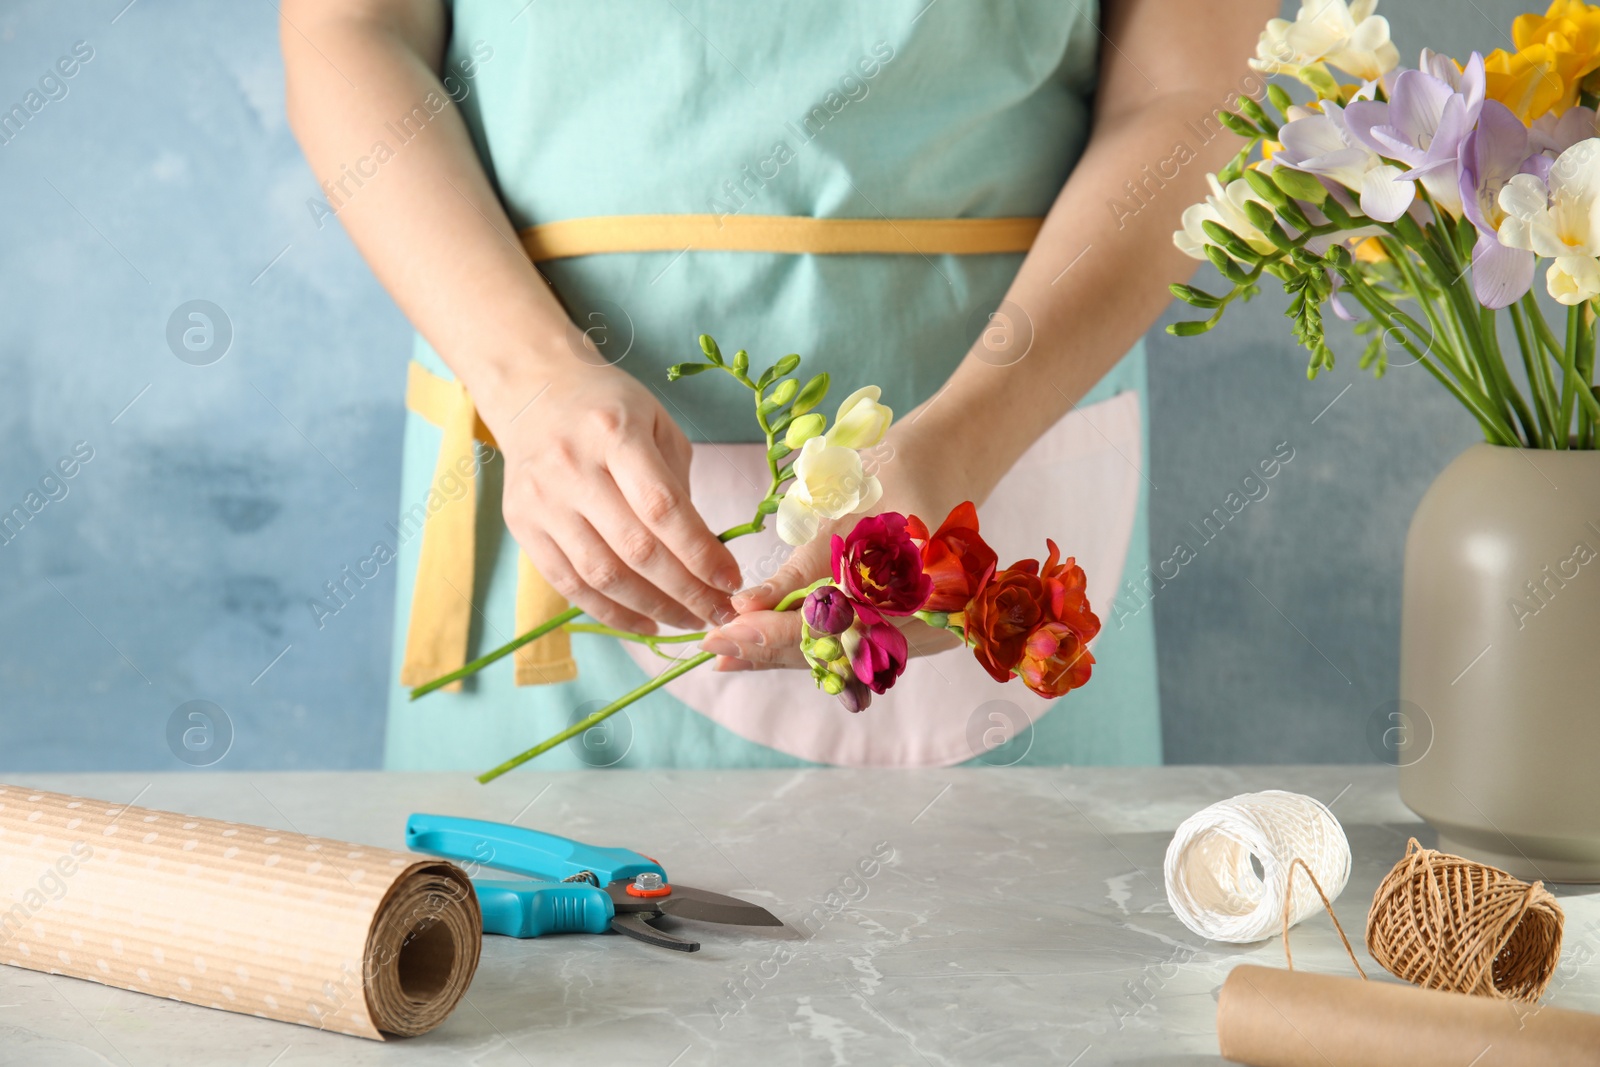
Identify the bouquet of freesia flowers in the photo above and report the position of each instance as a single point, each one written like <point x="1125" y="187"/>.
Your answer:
<point x="1030" y="620"/>
<point x="1426" y="199"/>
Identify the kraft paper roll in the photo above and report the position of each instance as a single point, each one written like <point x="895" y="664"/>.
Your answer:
<point x="362" y="941"/>
<point x="1273" y="1018"/>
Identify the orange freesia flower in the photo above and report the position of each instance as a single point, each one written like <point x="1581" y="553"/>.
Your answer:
<point x="1055" y="661"/>
<point x="1036" y="621"/>
<point x="1555" y="52"/>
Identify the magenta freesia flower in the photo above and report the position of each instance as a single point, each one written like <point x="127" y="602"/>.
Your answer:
<point x="877" y="650"/>
<point x="879" y="565"/>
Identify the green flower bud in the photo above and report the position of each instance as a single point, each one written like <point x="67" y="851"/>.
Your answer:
<point x="832" y="684"/>
<point x="785" y="391"/>
<point x="827" y="649"/>
<point x="805" y="428"/>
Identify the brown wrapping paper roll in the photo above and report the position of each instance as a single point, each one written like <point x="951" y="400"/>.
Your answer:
<point x="342" y="937"/>
<point x="1272" y="1018"/>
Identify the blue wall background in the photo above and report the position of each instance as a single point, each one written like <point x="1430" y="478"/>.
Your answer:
<point x="221" y="497"/>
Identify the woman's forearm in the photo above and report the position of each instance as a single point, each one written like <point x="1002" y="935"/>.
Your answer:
<point x="1097" y="275"/>
<point x="421" y="211"/>
<point x="596" y="487"/>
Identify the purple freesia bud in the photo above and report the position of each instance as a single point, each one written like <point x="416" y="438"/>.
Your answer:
<point x="855" y="695"/>
<point x="828" y="611"/>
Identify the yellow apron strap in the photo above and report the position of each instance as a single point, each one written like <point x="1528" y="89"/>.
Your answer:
<point x="441" y="609"/>
<point x="548" y="659"/>
<point x="441" y="605"/>
<point x="792" y="234"/>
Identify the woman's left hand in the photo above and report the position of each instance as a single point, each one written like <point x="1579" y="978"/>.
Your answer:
<point x="917" y="479"/>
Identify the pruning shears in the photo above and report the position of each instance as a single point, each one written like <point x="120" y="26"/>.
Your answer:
<point x="573" y="887"/>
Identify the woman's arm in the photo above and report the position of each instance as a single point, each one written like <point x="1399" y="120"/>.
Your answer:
<point x="597" y="473"/>
<point x="1094" y="282"/>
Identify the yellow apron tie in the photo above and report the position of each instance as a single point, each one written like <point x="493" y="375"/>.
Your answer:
<point x="791" y="234"/>
<point x="441" y="605"/>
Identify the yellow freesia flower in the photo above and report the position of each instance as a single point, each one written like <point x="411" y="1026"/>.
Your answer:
<point x="1555" y="52"/>
<point x="1369" y="250"/>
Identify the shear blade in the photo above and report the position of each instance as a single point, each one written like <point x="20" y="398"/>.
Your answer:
<point x="634" y="925"/>
<point x="687" y="902"/>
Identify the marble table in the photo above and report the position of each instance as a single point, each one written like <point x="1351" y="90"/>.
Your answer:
<point x="978" y="916"/>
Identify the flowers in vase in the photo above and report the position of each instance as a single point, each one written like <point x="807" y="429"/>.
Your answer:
<point x="1419" y="202"/>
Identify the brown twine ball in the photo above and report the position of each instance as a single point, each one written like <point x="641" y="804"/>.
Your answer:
<point x="1443" y="922"/>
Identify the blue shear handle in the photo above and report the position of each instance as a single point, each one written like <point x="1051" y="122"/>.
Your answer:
<point x="529" y="852"/>
<point x="533" y="909"/>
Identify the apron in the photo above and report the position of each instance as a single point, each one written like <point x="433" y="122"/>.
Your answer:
<point x="666" y="163"/>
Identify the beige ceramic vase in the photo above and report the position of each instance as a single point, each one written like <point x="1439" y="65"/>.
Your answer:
<point x="1499" y="717"/>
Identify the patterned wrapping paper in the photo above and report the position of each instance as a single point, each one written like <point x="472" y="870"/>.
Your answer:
<point x="242" y="918"/>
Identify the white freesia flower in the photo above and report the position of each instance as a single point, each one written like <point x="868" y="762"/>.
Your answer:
<point x="829" y="483"/>
<point x="1343" y="35"/>
<point x="861" y="421"/>
<point x="1224" y="206"/>
<point x="1559" y="219"/>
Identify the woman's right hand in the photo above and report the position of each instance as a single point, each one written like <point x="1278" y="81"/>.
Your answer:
<point x="597" y="494"/>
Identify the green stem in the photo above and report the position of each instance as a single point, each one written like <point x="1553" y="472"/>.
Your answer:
<point x="1391" y="316"/>
<point x="628" y="635"/>
<point x="499" y="653"/>
<point x="598" y="717"/>
<point x="1482" y="353"/>
<point x="1569" y="372"/>
<point x="1553" y="347"/>
<point x="1532" y="364"/>
<point x="1497" y="367"/>
<point x="1584" y="363"/>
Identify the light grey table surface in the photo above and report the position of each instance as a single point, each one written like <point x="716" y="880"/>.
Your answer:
<point x="1019" y="918"/>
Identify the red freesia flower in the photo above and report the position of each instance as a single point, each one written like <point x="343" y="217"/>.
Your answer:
<point x="879" y="565"/>
<point x="1069" y="594"/>
<point x="1036" y="618"/>
<point x="881" y="653"/>
<point x="1004" y="613"/>
<point x="957" y="559"/>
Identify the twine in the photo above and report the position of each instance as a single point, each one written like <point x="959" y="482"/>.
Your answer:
<point x="1443" y="922"/>
<point x="1212" y="885"/>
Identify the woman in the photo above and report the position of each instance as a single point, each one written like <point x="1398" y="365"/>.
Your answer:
<point x="731" y="140"/>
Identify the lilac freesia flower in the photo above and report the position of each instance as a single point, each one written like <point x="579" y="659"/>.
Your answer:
<point x="1553" y="134"/>
<point x="1321" y="143"/>
<point x="1428" y="115"/>
<point x="1491" y="155"/>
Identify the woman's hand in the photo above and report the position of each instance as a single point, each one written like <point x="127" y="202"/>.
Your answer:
<point x="597" y="494"/>
<point x="917" y="480"/>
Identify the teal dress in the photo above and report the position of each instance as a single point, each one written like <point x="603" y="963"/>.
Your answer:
<point x="895" y="108"/>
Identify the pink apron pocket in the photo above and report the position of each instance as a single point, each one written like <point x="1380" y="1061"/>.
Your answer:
<point x="1078" y="484"/>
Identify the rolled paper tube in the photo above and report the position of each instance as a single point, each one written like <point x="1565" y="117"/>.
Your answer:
<point x="1273" y="1018"/>
<point x="343" y="937"/>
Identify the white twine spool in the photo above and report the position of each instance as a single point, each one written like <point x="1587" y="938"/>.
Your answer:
<point x="1212" y="885"/>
